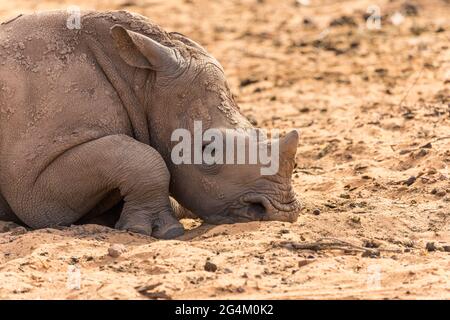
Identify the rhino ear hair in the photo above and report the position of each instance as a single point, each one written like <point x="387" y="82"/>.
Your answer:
<point x="143" y="52"/>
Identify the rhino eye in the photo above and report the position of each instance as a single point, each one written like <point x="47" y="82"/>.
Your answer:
<point x="210" y="168"/>
<point x="211" y="152"/>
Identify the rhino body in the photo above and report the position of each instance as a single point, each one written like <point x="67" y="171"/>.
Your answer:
<point x="85" y="122"/>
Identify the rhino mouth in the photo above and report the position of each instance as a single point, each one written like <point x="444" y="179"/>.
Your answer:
<point x="262" y="207"/>
<point x="257" y="207"/>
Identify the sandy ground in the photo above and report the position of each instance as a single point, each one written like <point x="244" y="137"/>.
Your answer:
<point x="373" y="109"/>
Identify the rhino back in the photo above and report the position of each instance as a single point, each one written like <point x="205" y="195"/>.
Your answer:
<point x="53" y="94"/>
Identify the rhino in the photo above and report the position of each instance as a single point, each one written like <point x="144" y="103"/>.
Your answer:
<point x="86" y="117"/>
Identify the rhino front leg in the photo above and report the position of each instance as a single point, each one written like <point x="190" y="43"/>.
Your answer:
<point x="95" y="169"/>
<point x="6" y="213"/>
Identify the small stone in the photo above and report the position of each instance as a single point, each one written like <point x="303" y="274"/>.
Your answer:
<point x="240" y="290"/>
<point x="116" y="250"/>
<point x="438" y="192"/>
<point x="74" y="260"/>
<point x="430" y="246"/>
<point x="18" y="231"/>
<point x="371" y="243"/>
<point x="410" y="9"/>
<point x="355" y="219"/>
<point x="343" y="21"/>
<point x="410" y="181"/>
<point x="316" y="212"/>
<point x="370" y="254"/>
<point x="247" y="81"/>
<point x="441" y="193"/>
<point x="210" y="267"/>
<point x="446" y="248"/>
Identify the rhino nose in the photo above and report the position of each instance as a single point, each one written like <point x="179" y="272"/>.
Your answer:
<point x="257" y="210"/>
<point x="260" y="208"/>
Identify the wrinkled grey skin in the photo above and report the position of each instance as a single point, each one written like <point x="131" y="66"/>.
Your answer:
<point x="86" y="118"/>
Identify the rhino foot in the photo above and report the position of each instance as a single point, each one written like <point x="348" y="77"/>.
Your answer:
<point x="162" y="226"/>
<point x="166" y="226"/>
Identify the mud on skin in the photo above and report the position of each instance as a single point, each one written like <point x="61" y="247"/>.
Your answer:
<point x="85" y="125"/>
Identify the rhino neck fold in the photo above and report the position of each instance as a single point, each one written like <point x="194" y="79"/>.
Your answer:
<point x="134" y="109"/>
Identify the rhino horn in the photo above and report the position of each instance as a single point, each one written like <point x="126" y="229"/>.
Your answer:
<point x="288" y="145"/>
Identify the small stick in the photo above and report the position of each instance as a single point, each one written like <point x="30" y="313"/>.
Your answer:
<point x="331" y="244"/>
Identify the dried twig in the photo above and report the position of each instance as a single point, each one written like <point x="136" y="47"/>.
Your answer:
<point x="330" y="244"/>
<point x="147" y="291"/>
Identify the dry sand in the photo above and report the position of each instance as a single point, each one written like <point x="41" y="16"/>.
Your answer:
<point x="373" y="110"/>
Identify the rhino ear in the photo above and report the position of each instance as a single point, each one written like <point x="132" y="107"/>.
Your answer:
<point x="143" y="52"/>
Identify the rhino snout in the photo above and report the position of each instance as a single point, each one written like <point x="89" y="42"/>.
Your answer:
<point x="261" y="207"/>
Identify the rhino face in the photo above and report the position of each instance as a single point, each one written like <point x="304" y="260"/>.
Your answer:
<point x="228" y="193"/>
<point x="189" y="85"/>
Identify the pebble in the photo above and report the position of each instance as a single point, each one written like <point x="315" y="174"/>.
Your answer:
<point x="370" y="254"/>
<point x="355" y="219"/>
<point x="410" y="9"/>
<point x="247" y="81"/>
<point x="410" y="181"/>
<point x="430" y="246"/>
<point x="116" y="250"/>
<point x="316" y="212"/>
<point x="438" y="192"/>
<point x="210" y="267"/>
<point x="371" y="243"/>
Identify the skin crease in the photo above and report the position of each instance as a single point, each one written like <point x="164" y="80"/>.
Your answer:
<point x="86" y="118"/>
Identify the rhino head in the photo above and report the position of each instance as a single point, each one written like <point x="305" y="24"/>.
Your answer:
<point x="188" y="85"/>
